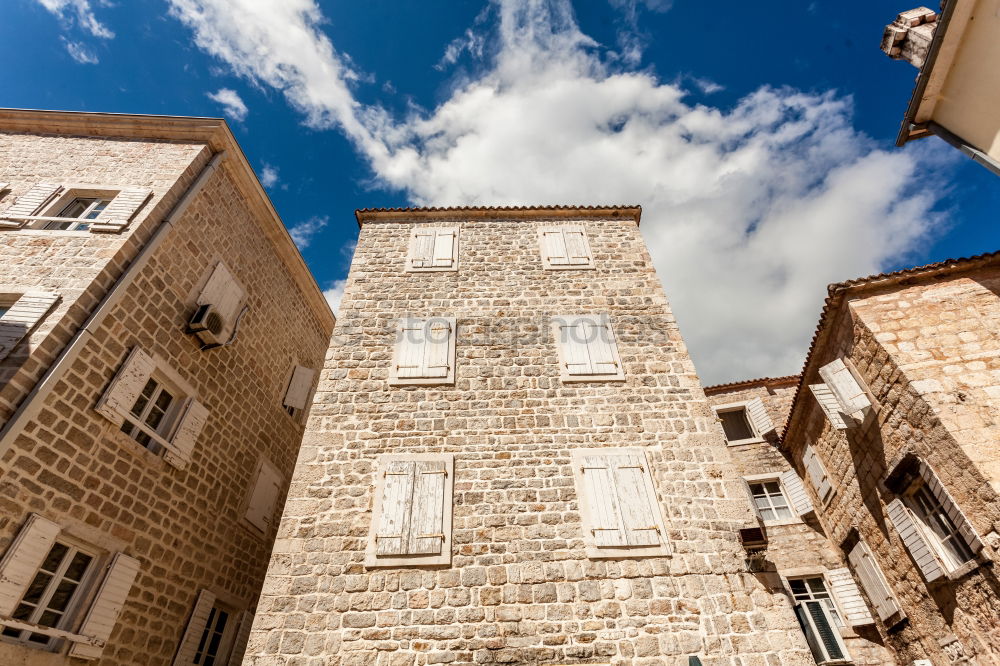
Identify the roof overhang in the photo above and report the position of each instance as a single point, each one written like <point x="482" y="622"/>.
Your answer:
<point x="497" y="213"/>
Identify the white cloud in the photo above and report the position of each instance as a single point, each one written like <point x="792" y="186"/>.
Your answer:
<point x="470" y="42"/>
<point x="304" y="232"/>
<point x="268" y="176"/>
<point x="232" y="103"/>
<point x="67" y="9"/>
<point x="335" y="294"/>
<point x="748" y="212"/>
<point x="80" y="53"/>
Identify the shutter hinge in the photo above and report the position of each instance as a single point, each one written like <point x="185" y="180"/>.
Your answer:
<point x="430" y="536"/>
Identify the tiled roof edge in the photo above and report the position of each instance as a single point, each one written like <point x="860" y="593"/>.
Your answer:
<point x="767" y="381"/>
<point x="365" y="214"/>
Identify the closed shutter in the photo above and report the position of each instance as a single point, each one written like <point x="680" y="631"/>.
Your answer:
<point x="24" y="315"/>
<point x="425" y="349"/>
<point x="617" y="499"/>
<point x="107" y="606"/>
<point x="121" y="210"/>
<point x="192" y="421"/>
<point x="242" y="637"/>
<point x="638" y="507"/>
<point x="573" y="334"/>
<point x="601" y="346"/>
<point x="444" y="248"/>
<point x="437" y="347"/>
<point x="126" y="386"/>
<point x="410" y="349"/>
<point x="223" y="292"/>
<point x="427" y="508"/>
<point x="195" y="628"/>
<point x="392" y="533"/>
<point x="264" y="497"/>
<point x="846" y="388"/>
<point x="761" y="420"/>
<point x="829" y="404"/>
<point x="606" y="525"/>
<point x="31" y="202"/>
<point x="422" y="248"/>
<point x="965" y="528"/>
<point x="23" y="558"/>
<point x="873" y="582"/>
<point x="796" y="492"/>
<point x="849" y="597"/>
<point x="577" y="248"/>
<point x="554" y="252"/>
<point x="299" y="387"/>
<point x="919" y="549"/>
<point x="817" y="475"/>
<point x="587" y="348"/>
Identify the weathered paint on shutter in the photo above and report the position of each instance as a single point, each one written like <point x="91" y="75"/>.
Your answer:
<point x="392" y="535"/>
<point x="919" y="549"/>
<point x="22" y="559"/>
<point x="554" y="247"/>
<point x="126" y="386"/>
<point x="427" y="509"/>
<point x="573" y="339"/>
<point x="410" y="349"/>
<point x="638" y="509"/>
<point x="121" y="210"/>
<point x="242" y="637"/>
<point x="23" y="315"/>
<point x="965" y="528"/>
<point x="32" y="201"/>
<point x="437" y="345"/>
<point x="444" y="248"/>
<point x="195" y="628"/>
<point x="601" y="346"/>
<point x="107" y="606"/>
<point x="422" y="248"/>
<point x="299" y="387"/>
<point x="264" y="497"/>
<point x="796" y="492"/>
<point x="849" y="393"/>
<point x="873" y="581"/>
<point x="577" y="248"/>
<point x="607" y="527"/>
<point x="192" y="420"/>
<point x="757" y="413"/>
<point x="223" y="292"/>
<point x="849" y="597"/>
<point x="829" y="404"/>
<point x="817" y="474"/>
<point x="825" y="632"/>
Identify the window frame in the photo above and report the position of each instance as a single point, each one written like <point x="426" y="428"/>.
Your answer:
<point x="829" y="601"/>
<point x="743" y="406"/>
<point x="51" y="213"/>
<point x="922" y="520"/>
<point x="775" y="477"/>
<point x="228" y="633"/>
<point x="161" y="435"/>
<point x="447" y="379"/>
<point x="562" y="229"/>
<point x="559" y="322"/>
<point x="411" y="248"/>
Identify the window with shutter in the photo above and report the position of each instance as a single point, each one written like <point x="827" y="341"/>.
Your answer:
<point x="769" y="500"/>
<point x="433" y="249"/>
<point x="587" y="348"/>
<point x="914" y="541"/>
<point x="565" y="247"/>
<point x="828" y="403"/>
<point x="424" y="352"/>
<point x="849" y="598"/>
<point x="852" y="398"/>
<point x="210" y="634"/>
<point x="225" y="295"/>
<point x="29" y="205"/>
<point x="411" y="516"/>
<point x="744" y="422"/>
<point x="19" y="314"/>
<point x="821" y="632"/>
<point x="76" y="207"/>
<point x="106" y="607"/>
<point x="875" y="584"/>
<point x="263" y="498"/>
<point x="796" y="492"/>
<point x="621" y="516"/>
<point x="241" y="639"/>
<point x="299" y="387"/>
<point x="818" y="476"/>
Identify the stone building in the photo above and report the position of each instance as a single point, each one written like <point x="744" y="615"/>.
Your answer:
<point x="510" y="459"/>
<point x="159" y="341"/>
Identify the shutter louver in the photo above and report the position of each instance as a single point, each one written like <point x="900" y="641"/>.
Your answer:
<point x="821" y="634"/>
<point x="107" y="606"/>
<point x="797" y="496"/>
<point x="23" y="558"/>
<point x="845" y="387"/>
<point x="392" y="534"/>
<point x="873" y="582"/>
<point x="126" y="386"/>
<point x="264" y="497"/>
<point x="121" y="210"/>
<point x="444" y="248"/>
<point x="299" y="387"/>
<point x="638" y="519"/>
<point x="829" y="404"/>
<point x="242" y="638"/>
<point x="29" y="203"/>
<point x="22" y="317"/>
<point x="919" y="549"/>
<point x="223" y="292"/>
<point x="607" y="528"/>
<point x="965" y="528"/>
<point x="186" y="436"/>
<point x="195" y="628"/>
<point x="849" y="597"/>
<point x="761" y="420"/>
<point x="817" y="475"/>
<point x="426" y="535"/>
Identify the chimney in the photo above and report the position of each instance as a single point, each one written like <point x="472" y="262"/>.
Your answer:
<point x="909" y="36"/>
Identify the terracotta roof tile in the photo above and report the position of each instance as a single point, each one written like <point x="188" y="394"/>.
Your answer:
<point x="788" y="379"/>
<point x="370" y="213"/>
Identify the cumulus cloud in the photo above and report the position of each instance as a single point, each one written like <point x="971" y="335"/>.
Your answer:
<point x="268" y="176"/>
<point x="232" y="104"/>
<point x="80" y="53"/>
<point x="81" y="12"/>
<point x="748" y="212"/>
<point x="304" y="232"/>
<point x="335" y="294"/>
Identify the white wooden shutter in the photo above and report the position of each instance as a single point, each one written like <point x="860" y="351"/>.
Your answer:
<point x="410" y="349"/>
<point x="573" y="334"/>
<point x="849" y="393"/>
<point x="192" y="420"/>
<point x="427" y="508"/>
<point x="23" y="557"/>
<point x="392" y="534"/>
<point x="422" y="248"/>
<point x="264" y="497"/>
<point x="601" y="346"/>
<point x="829" y="404"/>
<point x="761" y="420"/>
<point x="299" y="387"/>
<point x="637" y="502"/>
<point x="554" y="251"/>
<point x="126" y="386"/>
<point x="919" y="549"/>
<point x="223" y="292"/>
<point x="873" y="581"/>
<point x="849" y="597"/>
<point x="437" y="347"/>
<point x="107" y="606"/>
<point x="242" y="637"/>
<point x="796" y="492"/>
<point x="577" y="247"/>
<point x="605" y="517"/>
<point x="195" y="628"/>
<point x="817" y="474"/>
<point x="24" y="315"/>
<point x="444" y="247"/>
<point x="30" y="203"/>
<point x="965" y="528"/>
<point x="121" y="210"/>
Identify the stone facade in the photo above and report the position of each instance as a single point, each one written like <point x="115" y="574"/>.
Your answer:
<point x="66" y="463"/>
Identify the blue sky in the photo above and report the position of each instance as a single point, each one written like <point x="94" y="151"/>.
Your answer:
<point x="760" y="145"/>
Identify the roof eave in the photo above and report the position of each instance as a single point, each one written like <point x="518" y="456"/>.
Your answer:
<point x="364" y="215"/>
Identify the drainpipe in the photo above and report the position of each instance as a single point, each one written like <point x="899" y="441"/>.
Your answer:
<point x="32" y="403"/>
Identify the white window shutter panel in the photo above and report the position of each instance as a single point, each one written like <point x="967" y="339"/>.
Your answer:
<point x="961" y="521"/>
<point x="849" y="597"/>
<point x="817" y="474"/>
<point x="437" y="336"/>
<point x="242" y="638"/>
<point x="410" y="349"/>
<point x="638" y="509"/>
<point x="427" y="508"/>
<point x="107" y="606"/>
<point x="299" y="387"/>
<point x="606" y="526"/>
<point x="23" y="557"/>
<point x="919" y="549"/>
<point x="829" y="404"/>
<point x="761" y="420"/>
<point x="24" y="315"/>
<point x="797" y="496"/>
<point x="601" y="346"/>
<point x="422" y="248"/>
<point x="31" y="202"/>
<point x="554" y="252"/>
<point x="849" y="393"/>
<point x="873" y="581"/>
<point x="577" y="248"/>
<point x="126" y="386"/>
<point x="264" y="497"/>
<point x="393" y="532"/>
<point x="121" y="210"/>
<point x="192" y="420"/>
<point x="444" y="247"/>
<point x="195" y="628"/>
<point x="573" y="333"/>
<point x="223" y="292"/>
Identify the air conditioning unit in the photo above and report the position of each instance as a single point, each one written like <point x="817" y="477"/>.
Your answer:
<point x="207" y="324"/>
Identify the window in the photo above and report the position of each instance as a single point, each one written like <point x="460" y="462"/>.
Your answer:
<point x="814" y="587"/>
<point x="78" y="214"/>
<point x="300" y="384"/>
<point x="425" y="352"/>
<point x="215" y="635"/>
<point x="433" y="249"/>
<point x="211" y="639"/>
<point x="618" y="507"/>
<point x="148" y="417"/>
<point x="75" y="207"/>
<point x="744" y="422"/>
<point x="19" y="314"/>
<point x="822" y="634"/>
<point x="565" y="247"/>
<point x="587" y="349"/>
<point x="411" y="517"/>
<point x="939" y="528"/>
<point x="263" y="499"/>
<point x="818" y="476"/>
<point x="769" y="501"/>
